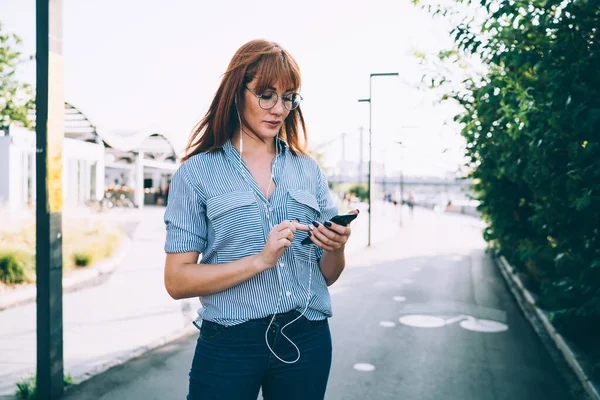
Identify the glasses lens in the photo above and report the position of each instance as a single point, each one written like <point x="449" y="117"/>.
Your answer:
<point x="292" y="100"/>
<point x="267" y="100"/>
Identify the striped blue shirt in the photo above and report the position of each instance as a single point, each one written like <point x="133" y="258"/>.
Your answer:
<point x="216" y="208"/>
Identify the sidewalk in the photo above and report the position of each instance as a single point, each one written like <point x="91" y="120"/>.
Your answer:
<point x="131" y="312"/>
<point x="107" y="324"/>
<point x="434" y="260"/>
<point x="445" y="250"/>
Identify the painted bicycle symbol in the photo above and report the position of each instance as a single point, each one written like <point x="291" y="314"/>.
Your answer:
<point x="467" y="322"/>
<point x="439" y="314"/>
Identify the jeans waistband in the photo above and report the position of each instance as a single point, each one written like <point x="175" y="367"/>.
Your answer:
<point x="279" y="318"/>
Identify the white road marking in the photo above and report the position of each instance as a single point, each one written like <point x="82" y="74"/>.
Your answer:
<point x="483" y="325"/>
<point x="422" y="321"/>
<point x="363" y="367"/>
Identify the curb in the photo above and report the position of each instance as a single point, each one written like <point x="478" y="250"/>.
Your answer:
<point x="91" y="276"/>
<point x="130" y="355"/>
<point x="518" y="288"/>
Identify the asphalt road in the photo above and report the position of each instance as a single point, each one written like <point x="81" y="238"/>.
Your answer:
<point x="423" y="315"/>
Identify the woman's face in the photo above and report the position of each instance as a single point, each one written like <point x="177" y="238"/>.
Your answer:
<point x="266" y="123"/>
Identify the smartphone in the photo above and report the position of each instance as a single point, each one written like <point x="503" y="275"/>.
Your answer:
<point x="343" y="219"/>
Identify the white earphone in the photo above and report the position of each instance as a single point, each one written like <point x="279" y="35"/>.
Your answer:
<point x="277" y="265"/>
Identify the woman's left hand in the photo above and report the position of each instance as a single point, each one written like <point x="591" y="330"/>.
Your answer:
<point x="330" y="236"/>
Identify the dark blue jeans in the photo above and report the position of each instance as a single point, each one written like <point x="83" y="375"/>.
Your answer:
<point x="233" y="363"/>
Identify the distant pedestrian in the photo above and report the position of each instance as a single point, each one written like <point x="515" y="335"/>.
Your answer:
<point x="411" y="203"/>
<point x="245" y="196"/>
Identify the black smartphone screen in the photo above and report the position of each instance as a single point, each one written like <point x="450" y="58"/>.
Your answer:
<point x="343" y="220"/>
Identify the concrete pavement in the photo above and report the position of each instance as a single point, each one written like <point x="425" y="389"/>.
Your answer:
<point x="131" y="312"/>
<point x="423" y="314"/>
<point x="107" y="324"/>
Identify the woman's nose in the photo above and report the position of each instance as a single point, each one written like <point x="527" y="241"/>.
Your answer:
<point x="278" y="107"/>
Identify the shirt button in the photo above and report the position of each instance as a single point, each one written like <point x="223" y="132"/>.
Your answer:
<point x="281" y="265"/>
<point x="271" y="209"/>
<point x="288" y="293"/>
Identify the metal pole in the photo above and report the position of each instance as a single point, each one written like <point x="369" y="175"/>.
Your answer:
<point x="401" y="179"/>
<point x="360" y="155"/>
<point x="369" y="194"/>
<point x="49" y="140"/>
<point x="370" y="177"/>
<point x="401" y="194"/>
<point x="343" y="150"/>
<point x="342" y="170"/>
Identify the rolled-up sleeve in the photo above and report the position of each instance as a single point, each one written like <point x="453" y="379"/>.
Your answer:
<point x="328" y="207"/>
<point x="185" y="216"/>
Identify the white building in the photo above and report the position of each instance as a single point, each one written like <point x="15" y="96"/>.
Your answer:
<point x="134" y="167"/>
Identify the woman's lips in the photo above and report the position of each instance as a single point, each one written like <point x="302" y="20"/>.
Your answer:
<point x="272" y="124"/>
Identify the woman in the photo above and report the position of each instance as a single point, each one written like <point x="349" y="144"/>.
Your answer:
<point x="244" y="197"/>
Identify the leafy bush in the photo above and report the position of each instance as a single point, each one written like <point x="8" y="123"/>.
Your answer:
<point x="360" y="191"/>
<point x="27" y="387"/>
<point x="16" y="266"/>
<point x="84" y="243"/>
<point x="531" y="121"/>
<point x="82" y="259"/>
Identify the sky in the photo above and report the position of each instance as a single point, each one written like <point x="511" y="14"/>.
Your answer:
<point x="149" y="65"/>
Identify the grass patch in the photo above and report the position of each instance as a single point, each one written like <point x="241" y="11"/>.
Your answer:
<point x="17" y="266"/>
<point x="27" y="387"/>
<point x="85" y="242"/>
<point x="82" y="259"/>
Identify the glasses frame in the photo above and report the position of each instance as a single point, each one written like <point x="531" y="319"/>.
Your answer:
<point x="260" y="97"/>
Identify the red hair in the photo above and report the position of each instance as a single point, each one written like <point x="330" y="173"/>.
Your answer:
<point x="270" y="64"/>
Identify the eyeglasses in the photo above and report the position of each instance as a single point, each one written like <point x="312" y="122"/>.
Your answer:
<point x="268" y="99"/>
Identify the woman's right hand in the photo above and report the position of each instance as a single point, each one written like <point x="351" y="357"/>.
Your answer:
<point x="279" y="240"/>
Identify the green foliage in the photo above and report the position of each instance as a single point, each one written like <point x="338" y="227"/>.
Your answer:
<point x="27" y="387"/>
<point x="15" y="98"/>
<point x="16" y="266"/>
<point x="68" y="380"/>
<point x="360" y="191"/>
<point x="81" y="259"/>
<point x="84" y="242"/>
<point x="532" y="126"/>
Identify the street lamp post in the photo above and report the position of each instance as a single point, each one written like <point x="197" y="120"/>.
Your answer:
<point x="370" y="177"/>
<point x="401" y="202"/>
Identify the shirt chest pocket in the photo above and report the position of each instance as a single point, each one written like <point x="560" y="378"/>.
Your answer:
<point x="302" y="205"/>
<point x="236" y="221"/>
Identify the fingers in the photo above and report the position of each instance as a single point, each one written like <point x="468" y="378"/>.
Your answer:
<point x="284" y="243"/>
<point x="300" y="227"/>
<point x="327" y="231"/>
<point x="321" y="244"/>
<point x="285" y="225"/>
<point x="285" y="233"/>
<point x="339" y="229"/>
<point x="327" y="239"/>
